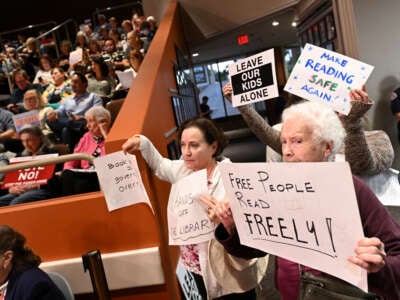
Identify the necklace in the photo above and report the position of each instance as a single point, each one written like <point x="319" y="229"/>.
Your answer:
<point x="210" y="172"/>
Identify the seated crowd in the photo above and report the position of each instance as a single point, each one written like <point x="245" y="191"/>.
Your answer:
<point x="69" y="99"/>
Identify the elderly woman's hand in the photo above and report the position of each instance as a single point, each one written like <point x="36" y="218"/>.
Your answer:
<point x="132" y="144"/>
<point x="221" y="211"/>
<point x="359" y="95"/>
<point x="370" y="254"/>
<point x="104" y="127"/>
<point x="227" y="91"/>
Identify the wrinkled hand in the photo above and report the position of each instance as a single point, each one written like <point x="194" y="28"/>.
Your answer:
<point x="103" y="126"/>
<point x="227" y="91"/>
<point x="370" y="254"/>
<point x="359" y="95"/>
<point x="222" y="211"/>
<point x="132" y="144"/>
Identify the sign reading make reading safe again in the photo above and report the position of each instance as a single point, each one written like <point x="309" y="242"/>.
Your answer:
<point x="304" y="218"/>
<point x="327" y="76"/>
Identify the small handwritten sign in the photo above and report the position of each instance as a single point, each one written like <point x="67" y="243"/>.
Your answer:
<point x="75" y="56"/>
<point x="327" y="76"/>
<point x="26" y="118"/>
<point x="297" y="211"/>
<point x="187" y="217"/>
<point x="34" y="175"/>
<point x="120" y="180"/>
<point x="253" y="79"/>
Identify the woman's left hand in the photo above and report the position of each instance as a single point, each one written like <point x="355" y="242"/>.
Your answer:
<point x="370" y="254"/>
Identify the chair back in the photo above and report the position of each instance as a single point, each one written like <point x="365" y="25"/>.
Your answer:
<point x="62" y="284"/>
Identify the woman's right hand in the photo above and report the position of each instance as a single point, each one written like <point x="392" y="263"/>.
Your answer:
<point x="132" y="144"/>
<point x="227" y="91"/>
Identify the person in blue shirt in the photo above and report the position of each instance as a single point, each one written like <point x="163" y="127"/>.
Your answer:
<point x="68" y="121"/>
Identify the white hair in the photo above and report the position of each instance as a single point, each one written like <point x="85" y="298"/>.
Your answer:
<point x="98" y="112"/>
<point x="323" y="121"/>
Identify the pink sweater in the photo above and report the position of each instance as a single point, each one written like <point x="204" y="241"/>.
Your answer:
<point x="88" y="145"/>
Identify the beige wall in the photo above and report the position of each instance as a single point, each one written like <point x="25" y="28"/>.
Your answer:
<point x="379" y="45"/>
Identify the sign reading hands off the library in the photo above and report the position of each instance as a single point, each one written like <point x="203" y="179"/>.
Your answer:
<point x="253" y="79"/>
<point x="188" y="222"/>
<point x="327" y="76"/>
<point x="303" y="212"/>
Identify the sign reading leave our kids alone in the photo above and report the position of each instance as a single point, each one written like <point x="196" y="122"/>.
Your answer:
<point x="253" y="79"/>
<point x="327" y="76"/>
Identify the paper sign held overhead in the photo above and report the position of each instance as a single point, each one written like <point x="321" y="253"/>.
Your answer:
<point x="297" y="211"/>
<point x="253" y="79"/>
<point x="327" y="76"/>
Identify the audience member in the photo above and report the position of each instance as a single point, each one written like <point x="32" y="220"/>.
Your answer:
<point x="98" y="120"/>
<point x="101" y="21"/>
<point x="321" y="134"/>
<point x="68" y="121"/>
<point x="35" y="143"/>
<point x="31" y="51"/>
<point x="21" y="80"/>
<point x="99" y="81"/>
<point x="20" y="275"/>
<point x="43" y="75"/>
<point x="95" y="47"/>
<point x="58" y="89"/>
<point x="33" y="100"/>
<point x="201" y="145"/>
<point x="63" y="59"/>
<point x="10" y="61"/>
<point x="87" y="28"/>
<point x="114" y="25"/>
<point x="81" y="40"/>
<point x="8" y="135"/>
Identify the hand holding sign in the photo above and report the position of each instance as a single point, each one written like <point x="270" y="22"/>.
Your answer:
<point x="370" y="254"/>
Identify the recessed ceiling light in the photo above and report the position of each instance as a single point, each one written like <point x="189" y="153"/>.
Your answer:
<point x="294" y="24"/>
<point x="195" y="54"/>
<point x="275" y="23"/>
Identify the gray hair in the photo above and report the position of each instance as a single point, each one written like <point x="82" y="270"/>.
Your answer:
<point x="322" y="119"/>
<point x="99" y="113"/>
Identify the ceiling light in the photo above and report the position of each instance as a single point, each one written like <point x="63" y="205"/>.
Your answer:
<point x="275" y="23"/>
<point x="195" y="54"/>
<point x="294" y="24"/>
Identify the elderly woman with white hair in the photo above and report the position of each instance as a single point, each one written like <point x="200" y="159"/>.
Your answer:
<point x="312" y="132"/>
<point x="74" y="181"/>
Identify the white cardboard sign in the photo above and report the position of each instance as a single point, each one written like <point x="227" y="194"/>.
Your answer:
<point x="188" y="222"/>
<point x="253" y="79"/>
<point x="327" y="76"/>
<point x="120" y="180"/>
<point x="304" y="212"/>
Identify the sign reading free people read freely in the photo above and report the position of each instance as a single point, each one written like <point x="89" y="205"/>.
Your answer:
<point x="304" y="212"/>
<point x="120" y="180"/>
<point x="253" y="79"/>
<point x="327" y="76"/>
<point x="188" y="222"/>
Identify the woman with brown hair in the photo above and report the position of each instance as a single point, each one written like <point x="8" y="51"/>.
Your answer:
<point x="20" y="275"/>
